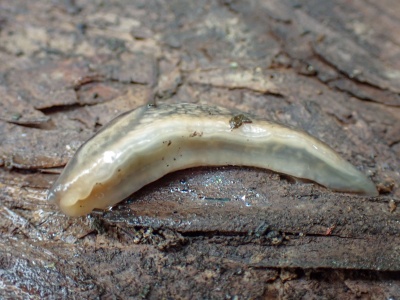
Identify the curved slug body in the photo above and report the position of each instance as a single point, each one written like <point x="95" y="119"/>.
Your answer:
<point x="143" y="145"/>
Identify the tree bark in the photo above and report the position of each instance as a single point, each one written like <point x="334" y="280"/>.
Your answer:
<point x="330" y="68"/>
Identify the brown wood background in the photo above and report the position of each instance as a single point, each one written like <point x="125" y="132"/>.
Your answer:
<point x="331" y="68"/>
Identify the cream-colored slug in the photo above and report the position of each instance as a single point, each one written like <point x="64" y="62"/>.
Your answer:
<point x="142" y="145"/>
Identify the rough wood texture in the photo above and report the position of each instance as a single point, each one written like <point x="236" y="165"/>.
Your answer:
<point x="331" y="68"/>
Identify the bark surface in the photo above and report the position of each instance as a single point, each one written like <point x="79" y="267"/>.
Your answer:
<point x="331" y="68"/>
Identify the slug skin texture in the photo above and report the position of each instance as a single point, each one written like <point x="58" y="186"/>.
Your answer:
<point x="142" y="145"/>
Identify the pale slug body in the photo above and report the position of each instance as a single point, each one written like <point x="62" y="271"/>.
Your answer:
<point x="143" y="145"/>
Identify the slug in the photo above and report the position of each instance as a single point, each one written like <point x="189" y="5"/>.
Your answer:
<point x="140" y="146"/>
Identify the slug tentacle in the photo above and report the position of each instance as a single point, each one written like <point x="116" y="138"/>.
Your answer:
<point x="143" y="145"/>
